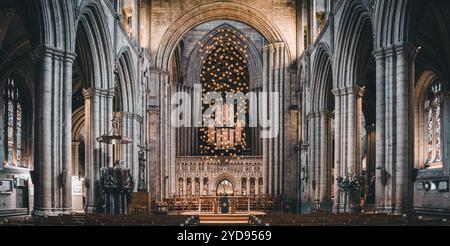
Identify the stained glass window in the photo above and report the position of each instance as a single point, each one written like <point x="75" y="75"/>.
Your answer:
<point x="433" y="125"/>
<point x="13" y="125"/>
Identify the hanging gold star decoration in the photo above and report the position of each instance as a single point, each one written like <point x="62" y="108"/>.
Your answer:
<point x="224" y="70"/>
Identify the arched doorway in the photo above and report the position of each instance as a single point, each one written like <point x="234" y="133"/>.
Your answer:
<point x="225" y="187"/>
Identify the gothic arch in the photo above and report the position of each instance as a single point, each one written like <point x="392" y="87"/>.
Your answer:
<point x="254" y="60"/>
<point x="226" y="176"/>
<point x="125" y="81"/>
<point x="353" y="44"/>
<point x="49" y="23"/>
<point x="392" y="22"/>
<point x="94" y="38"/>
<point x="214" y="11"/>
<point x="322" y="79"/>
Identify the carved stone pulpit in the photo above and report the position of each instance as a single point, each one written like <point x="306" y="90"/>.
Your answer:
<point x="116" y="184"/>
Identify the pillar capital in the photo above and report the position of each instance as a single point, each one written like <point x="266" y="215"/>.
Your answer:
<point x="349" y="90"/>
<point x="91" y="92"/>
<point x="128" y="115"/>
<point x="379" y="53"/>
<point x="43" y="51"/>
<point x="324" y="113"/>
<point x="153" y="109"/>
<point x="355" y="90"/>
<point x="159" y="71"/>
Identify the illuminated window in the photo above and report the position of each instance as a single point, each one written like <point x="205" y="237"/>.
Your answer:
<point x="13" y="126"/>
<point x="433" y="125"/>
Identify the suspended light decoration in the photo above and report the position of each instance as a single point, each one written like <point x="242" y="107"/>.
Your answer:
<point x="225" y="70"/>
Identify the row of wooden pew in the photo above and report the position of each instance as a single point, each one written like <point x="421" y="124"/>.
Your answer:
<point x="350" y="220"/>
<point x="98" y="220"/>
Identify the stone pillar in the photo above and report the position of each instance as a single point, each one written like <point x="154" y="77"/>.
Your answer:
<point x="92" y="146"/>
<point x="172" y="144"/>
<point x="277" y="160"/>
<point x="95" y="127"/>
<point x="274" y="80"/>
<point x="324" y="172"/>
<point x="265" y="142"/>
<point x="380" y="158"/>
<point x="53" y="143"/>
<point x="270" y="152"/>
<point x="337" y="149"/>
<point x="348" y="138"/>
<point x="395" y="142"/>
<point x="67" y="132"/>
<point x="404" y="128"/>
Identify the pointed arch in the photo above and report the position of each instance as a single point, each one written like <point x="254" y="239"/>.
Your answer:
<point x="125" y="81"/>
<point x="353" y="44"/>
<point x="254" y="60"/>
<point x="322" y="79"/>
<point x="392" y="22"/>
<point x="49" y="22"/>
<point x="215" y="11"/>
<point x="94" y="45"/>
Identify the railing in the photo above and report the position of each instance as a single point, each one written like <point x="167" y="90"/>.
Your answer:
<point x="237" y="203"/>
<point x="209" y="204"/>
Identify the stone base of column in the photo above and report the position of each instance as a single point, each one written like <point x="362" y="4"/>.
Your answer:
<point x="43" y="212"/>
<point x="91" y="208"/>
<point x="349" y="209"/>
<point x="385" y="210"/>
<point x="401" y="211"/>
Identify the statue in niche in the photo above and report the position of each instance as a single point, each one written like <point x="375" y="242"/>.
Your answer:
<point x="197" y="187"/>
<point x="141" y="181"/>
<point x="180" y="187"/>
<point x="244" y="187"/>
<point x="260" y="183"/>
<point x="189" y="187"/>
<point x="252" y="187"/>
<point x="205" y="187"/>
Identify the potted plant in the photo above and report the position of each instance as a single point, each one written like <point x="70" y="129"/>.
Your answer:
<point x="349" y="184"/>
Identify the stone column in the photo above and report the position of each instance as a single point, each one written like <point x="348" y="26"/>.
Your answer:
<point x="53" y="116"/>
<point x="380" y="159"/>
<point x="404" y="127"/>
<point x="395" y="143"/>
<point x="323" y="167"/>
<point x="67" y="132"/>
<point x="337" y="149"/>
<point x="270" y="152"/>
<point x="276" y="150"/>
<point x="95" y="127"/>
<point x="348" y="138"/>
<point x="265" y="142"/>
<point x="172" y="143"/>
<point x="92" y="147"/>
